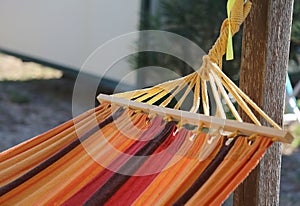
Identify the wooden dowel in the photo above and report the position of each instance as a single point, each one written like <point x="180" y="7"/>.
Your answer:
<point x="195" y="118"/>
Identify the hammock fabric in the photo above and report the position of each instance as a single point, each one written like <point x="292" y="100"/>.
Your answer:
<point x="116" y="155"/>
<point x="56" y="169"/>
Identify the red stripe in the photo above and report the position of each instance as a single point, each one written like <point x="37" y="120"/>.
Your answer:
<point x="88" y="190"/>
<point x="128" y="193"/>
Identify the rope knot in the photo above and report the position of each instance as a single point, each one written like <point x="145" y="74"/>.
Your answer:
<point x="205" y="68"/>
<point x="239" y="11"/>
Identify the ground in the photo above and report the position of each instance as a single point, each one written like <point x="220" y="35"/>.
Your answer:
<point x="34" y="100"/>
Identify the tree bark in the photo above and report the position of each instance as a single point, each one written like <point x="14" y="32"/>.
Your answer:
<point x="265" y="52"/>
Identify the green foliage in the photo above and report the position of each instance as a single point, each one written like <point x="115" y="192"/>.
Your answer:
<point x="199" y="21"/>
<point x="295" y="35"/>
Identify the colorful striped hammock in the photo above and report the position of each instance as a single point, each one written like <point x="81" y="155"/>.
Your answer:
<point x="157" y="165"/>
<point x="135" y="155"/>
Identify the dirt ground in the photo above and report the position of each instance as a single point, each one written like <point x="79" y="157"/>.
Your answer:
<point x="32" y="107"/>
<point x="35" y="102"/>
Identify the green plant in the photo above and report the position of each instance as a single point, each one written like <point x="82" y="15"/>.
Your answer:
<point x="295" y="35"/>
<point x="197" y="20"/>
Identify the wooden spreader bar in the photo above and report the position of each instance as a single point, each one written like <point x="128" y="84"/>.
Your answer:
<point x="196" y="118"/>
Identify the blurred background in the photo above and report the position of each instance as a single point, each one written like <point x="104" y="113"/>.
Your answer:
<point x="43" y="45"/>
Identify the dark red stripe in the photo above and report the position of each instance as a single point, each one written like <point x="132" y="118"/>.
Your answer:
<point x="205" y="174"/>
<point x="5" y="189"/>
<point x="87" y="191"/>
<point x="132" y="189"/>
<point x="130" y="167"/>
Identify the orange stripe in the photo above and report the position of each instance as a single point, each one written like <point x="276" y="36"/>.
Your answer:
<point x="48" y="186"/>
<point x="43" y="137"/>
<point x="20" y="164"/>
<point x="244" y="172"/>
<point x="174" y="181"/>
<point x="234" y="162"/>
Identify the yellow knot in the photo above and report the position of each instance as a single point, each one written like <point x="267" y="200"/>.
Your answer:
<point x="252" y="137"/>
<point x="233" y="135"/>
<point x="138" y="111"/>
<point x="151" y="115"/>
<point x="205" y="68"/>
<point x="168" y="118"/>
<point x="199" y="128"/>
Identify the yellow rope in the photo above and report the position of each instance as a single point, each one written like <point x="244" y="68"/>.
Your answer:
<point x="239" y="12"/>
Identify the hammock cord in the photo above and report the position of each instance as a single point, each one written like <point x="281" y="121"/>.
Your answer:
<point x="239" y="12"/>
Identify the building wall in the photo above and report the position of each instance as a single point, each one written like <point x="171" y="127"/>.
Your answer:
<point x="66" y="32"/>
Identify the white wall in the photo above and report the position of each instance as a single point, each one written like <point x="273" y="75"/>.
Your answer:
<point x="65" y="32"/>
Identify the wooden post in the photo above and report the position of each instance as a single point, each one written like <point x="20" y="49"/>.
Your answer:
<point x="265" y="52"/>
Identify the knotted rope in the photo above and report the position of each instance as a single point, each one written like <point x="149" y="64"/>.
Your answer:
<point x="239" y="12"/>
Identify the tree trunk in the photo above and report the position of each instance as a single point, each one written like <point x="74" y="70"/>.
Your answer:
<point x="265" y="51"/>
